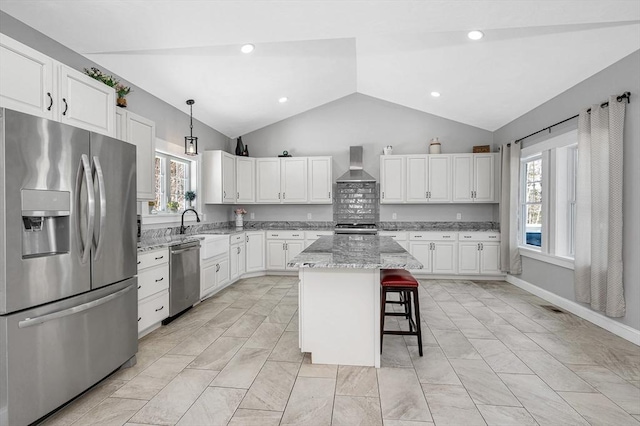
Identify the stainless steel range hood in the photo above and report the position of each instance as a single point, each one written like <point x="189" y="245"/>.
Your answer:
<point x="356" y="173"/>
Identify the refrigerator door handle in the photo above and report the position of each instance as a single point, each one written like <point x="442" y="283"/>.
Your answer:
<point x="28" y="322"/>
<point x="103" y="207"/>
<point x="84" y="169"/>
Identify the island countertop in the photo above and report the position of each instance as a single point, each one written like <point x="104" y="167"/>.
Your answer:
<point x="355" y="251"/>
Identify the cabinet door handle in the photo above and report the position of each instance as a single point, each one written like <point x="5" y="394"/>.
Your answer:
<point x="217" y="267"/>
<point x="278" y="195"/>
<point x="329" y="194"/>
<point x="224" y="194"/>
<point x="160" y="280"/>
<point x="66" y="106"/>
<point x="478" y="246"/>
<point x="238" y="250"/>
<point x="246" y="238"/>
<point x="237" y="195"/>
<point x="426" y="194"/>
<point x="139" y="287"/>
<point x="50" y="101"/>
<point x="160" y="308"/>
<point x="481" y="246"/>
<point x="283" y="249"/>
<point x="383" y="194"/>
<point x="139" y="262"/>
<point x="284" y="195"/>
<point x="139" y="318"/>
<point x="160" y="257"/>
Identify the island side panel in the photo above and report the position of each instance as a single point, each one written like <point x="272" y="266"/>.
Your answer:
<point x="339" y="313"/>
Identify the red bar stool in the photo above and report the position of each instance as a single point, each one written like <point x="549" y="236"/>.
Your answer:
<point x="400" y="281"/>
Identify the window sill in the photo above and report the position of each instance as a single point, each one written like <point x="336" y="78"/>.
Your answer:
<point x="564" y="262"/>
<point x="154" y="219"/>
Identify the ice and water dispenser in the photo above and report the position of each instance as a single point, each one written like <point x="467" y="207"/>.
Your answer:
<point x="45" y="222"/>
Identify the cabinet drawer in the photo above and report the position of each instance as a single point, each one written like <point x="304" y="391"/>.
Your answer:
<point x="396" y="235"/>
<point x="314" y="235"/>
<point x="433" y="236"/>
<point x="237" y="238"/>
<point x="479" y="236"/>
<point x="152" y="258"/>
<point x="285" y="235"/>
<point x="152" y="310"/>
<point x="153" y="280"/>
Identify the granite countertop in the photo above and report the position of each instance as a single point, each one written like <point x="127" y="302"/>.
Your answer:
<point x="440" y="226"/>
<point x="355" y="251"/>
<point x="149" y="244"/>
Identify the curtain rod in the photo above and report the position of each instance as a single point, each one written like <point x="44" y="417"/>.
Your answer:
<point x="625" y="96"/>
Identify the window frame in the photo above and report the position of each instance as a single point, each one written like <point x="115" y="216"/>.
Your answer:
<point x="177" y="151"/>
<point x="559" y="166"/>
<point x="166" y="160"/>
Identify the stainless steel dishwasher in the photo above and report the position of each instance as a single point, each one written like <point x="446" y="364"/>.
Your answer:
<point x="184" y="269"/>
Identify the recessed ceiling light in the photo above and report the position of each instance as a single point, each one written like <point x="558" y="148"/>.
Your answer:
<point x="435" y="94"/>
<point x="283" y="99"/>
<point x="247" y="48"/>
<point x="475" y="35"/>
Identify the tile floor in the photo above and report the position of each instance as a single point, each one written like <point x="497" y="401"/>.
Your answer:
<point x="492" y="355"/>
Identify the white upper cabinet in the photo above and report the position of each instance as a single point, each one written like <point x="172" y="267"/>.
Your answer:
<point x="392" y="179"/>
<point x="475" y="178"/>
<point x="26" y="79"/>
<point x="428" y="179"/>
<point x="485" y="177"/>
<point x="218" y="177"/>
<point x="293" y="180"/>
<point x="417" y="191"/>
<point x="85" y="102"/>
<point x="268" y="180"/>
<point x="320" y="180"/>
<point x="439" y="178"/>
<point x="33" y="83"/>
<point x="141" y="132"/>
<point x="245" y="180"/>
<point x="463" y="178"/>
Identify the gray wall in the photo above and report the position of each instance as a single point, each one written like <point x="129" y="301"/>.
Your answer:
<point x="172" y="124"/>
<point x="619" y="77"/>
<point x="373" y="123"/>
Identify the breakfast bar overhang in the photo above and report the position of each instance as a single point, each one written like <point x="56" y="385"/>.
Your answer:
<point x="339" y="296"/>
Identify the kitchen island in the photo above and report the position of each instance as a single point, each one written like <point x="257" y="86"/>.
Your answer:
<point x="339" y="296"/>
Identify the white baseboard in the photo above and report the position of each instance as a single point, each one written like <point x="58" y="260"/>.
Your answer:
<point x="609" y="324"/>
<point x="422" y="276"/>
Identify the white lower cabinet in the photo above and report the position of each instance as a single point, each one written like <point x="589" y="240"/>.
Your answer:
<point x="254" y="248"/>
<point x="153" y="288"/>
<point x="479" y="253"/>
<point x="282" y="246"/>
<point x="435" y="250"/>
<point x="214" y="274"/>
<point x="237" y="257"/>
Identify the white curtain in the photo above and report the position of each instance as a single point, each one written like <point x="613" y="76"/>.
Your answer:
<point x="598" y="253"/>
<point x="509" y="255"/>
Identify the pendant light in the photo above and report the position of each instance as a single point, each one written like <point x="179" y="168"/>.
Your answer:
<point x="191" y="142"/>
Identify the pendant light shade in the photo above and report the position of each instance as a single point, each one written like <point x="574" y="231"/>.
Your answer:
<point x="191" y="142"/>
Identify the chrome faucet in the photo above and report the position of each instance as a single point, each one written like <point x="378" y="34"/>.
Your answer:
<point x="184" y="228"/>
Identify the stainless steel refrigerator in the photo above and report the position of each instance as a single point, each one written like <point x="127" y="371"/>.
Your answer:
<point x="68" y="258"/>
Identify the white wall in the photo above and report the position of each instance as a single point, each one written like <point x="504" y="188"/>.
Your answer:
<point x="172" y="124"/>
<point x="373" y="123"/>
<point x="618" y="78"/>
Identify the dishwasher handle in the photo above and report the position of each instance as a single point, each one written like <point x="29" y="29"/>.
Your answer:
<point x="185" y="250"/>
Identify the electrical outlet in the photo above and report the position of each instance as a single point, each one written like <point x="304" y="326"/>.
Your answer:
<point x="308" y="216"/>
<point x="252" y="215"/>
<point x="459" y="216"/>
<point x="394" y="216"/>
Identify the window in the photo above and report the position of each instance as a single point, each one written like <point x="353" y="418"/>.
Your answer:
<point x="532" y="202"/>
<point x="172" y="181"/>
<point x="548" y="196"/>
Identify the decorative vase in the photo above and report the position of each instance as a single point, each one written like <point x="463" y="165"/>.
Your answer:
<point x="434" y="146"/>
<point x="239" y="146"/>
<point x="121" y="102"/>
<point x="239" y="220"/>
<point x="246" y="151"/>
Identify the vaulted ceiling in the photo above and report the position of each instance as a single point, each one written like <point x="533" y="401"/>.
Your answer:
<point x="314" y="52"/>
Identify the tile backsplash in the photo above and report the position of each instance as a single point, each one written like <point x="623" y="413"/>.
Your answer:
<point x="356" y="202"/>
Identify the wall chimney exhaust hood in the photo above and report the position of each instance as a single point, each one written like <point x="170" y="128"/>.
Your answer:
<point x="355" y="173"/>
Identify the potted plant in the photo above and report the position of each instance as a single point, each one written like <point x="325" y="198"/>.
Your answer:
<point x="122" y="91"/>
<point x="152" y="207"/>
<point x="173" y="206"/>
<point x="190" y="196"/>
<point x="239" y="217"/>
